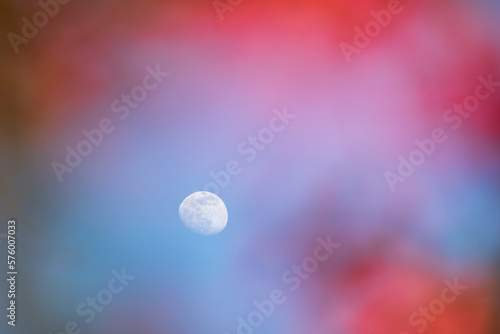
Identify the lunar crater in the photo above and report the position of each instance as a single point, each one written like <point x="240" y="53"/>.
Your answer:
<point x="204" y="213"/>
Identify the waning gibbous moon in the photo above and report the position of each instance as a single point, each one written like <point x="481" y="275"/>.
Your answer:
<point x="204" y="213"/>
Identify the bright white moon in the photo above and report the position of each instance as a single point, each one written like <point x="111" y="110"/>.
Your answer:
<point x="203" y="212"/>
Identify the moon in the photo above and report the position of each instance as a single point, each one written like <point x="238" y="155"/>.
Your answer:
<point x="204" y="213"/>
